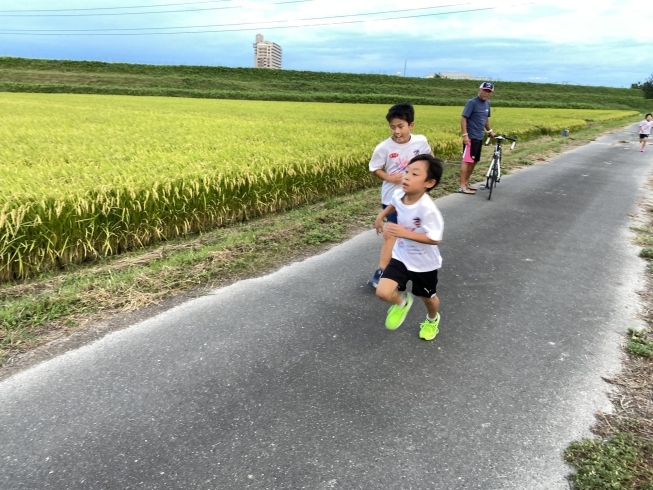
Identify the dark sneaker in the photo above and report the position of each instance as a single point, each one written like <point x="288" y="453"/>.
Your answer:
<point x="374" y="281"/>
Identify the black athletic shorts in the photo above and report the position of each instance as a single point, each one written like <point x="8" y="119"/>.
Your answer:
<point x="424" y="283"/>
<point x="475" y="149"/>
<point x="642" y="136"/>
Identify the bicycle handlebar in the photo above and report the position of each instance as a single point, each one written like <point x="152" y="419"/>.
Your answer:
<point x="502" y="137"/>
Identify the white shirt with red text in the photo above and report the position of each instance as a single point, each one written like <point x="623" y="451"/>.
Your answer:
<point x="393" y="158"/>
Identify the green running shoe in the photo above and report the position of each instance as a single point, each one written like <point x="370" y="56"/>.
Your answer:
<point x="397" y="314"/>
<point x="429" y="329"/>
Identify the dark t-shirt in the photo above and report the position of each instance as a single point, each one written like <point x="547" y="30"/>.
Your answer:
<point x="476" y="111"/>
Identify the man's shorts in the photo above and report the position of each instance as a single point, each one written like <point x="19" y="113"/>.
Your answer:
<point x="642" y="136"/>
<point x="392" y="217"/>
<point x="475" y="149"/>
<point x="424" y="283"/>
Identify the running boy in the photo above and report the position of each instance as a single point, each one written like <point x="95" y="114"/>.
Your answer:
<point x="389" y="162"/>
<point x="415" y="255"/>
<point x="645" y="130"/>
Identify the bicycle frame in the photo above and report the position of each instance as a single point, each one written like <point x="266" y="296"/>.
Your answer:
<point x="495" y="157"/>
<point x="496" y="162"/>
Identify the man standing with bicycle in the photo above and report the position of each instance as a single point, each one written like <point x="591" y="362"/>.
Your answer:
<point x="473" y="122"/>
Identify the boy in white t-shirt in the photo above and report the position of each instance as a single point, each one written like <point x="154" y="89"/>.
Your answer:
<point x="415" y="255"/>
<point x="389" y="162"/>
<point x="645" y="130"/>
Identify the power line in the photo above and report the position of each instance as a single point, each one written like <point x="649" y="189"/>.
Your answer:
<point x="258" y="28"/>
<point x="114" y="8"/>
<point x="104" y="14"/>
<point x="14" y="31"/>
<point x="46" y="14"/>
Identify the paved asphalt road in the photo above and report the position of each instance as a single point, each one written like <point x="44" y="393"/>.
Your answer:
<point x="291" y="381"/>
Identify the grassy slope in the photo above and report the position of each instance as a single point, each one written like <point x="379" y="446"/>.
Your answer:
<point x="31" y="75"/>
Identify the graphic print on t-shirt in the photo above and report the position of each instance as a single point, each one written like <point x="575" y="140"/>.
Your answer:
<point x="420" y="217"/>
<point x="406" y="220"/>
<point x="393" y="158"/>
<point x="399" y="163"/>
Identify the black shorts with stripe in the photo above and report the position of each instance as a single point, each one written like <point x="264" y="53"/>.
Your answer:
<point x="424" y="283"/>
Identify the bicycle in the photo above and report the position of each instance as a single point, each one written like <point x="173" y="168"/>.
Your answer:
<point x="493" y="176"/>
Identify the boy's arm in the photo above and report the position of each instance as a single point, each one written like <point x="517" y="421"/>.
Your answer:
<point x="377" y="166"/>
<point x="433" y="227"/>
<point x="399" y="231"/>
<point x="430" y="152"/>
<point x="378" y="223"/>
<point x="392" y="178"/>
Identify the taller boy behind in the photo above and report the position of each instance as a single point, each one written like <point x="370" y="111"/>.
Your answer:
<point x="389" y="162"/>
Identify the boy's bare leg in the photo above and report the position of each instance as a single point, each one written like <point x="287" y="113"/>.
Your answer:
<point x="643" y="143"/>
<point x="386" y="251"/>
<point x="387" y="291"/>
<point x="432" y="305"/>
<point x="384" y="259"/>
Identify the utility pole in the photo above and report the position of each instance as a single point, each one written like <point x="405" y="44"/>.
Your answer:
<point x="405" y="63"/>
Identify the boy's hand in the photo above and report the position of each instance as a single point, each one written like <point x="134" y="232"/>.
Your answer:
<point x="378" y="224"/>
<point x="396" y="178"/>
<point x="395" y="230"/>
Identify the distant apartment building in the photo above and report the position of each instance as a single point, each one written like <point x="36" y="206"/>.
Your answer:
<point x="267" y="54"/>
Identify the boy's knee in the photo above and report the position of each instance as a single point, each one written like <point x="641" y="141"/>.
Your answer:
<point x="382" y="294"/>
<point x="433" y="300"/>
<point x="385" y="292"/>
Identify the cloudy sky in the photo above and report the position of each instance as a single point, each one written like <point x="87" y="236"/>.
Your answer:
<point x="603" y="42"/>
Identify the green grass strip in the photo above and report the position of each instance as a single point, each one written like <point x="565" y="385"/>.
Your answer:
<point x="623" y="462"/>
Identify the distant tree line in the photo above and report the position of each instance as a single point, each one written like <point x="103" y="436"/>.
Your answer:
<point x="646" y="87"/>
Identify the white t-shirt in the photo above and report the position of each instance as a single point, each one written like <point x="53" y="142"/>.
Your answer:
<point x="645" y="127"/>
<point x="421" y="217"/>
<point x="394" y="157"/>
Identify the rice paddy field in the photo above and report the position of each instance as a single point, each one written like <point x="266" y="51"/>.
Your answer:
<point x="84" y="176"/>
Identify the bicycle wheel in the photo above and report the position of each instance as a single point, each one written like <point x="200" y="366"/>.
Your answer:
<point x="492" y="179"/>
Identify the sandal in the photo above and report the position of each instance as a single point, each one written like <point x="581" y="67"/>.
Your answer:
<point x="466" y="191"/>
<point x="472" y="187"/>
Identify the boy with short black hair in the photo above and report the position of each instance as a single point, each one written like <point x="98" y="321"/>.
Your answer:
<point x="389" y="162"/>
<point x="415" y="255"/>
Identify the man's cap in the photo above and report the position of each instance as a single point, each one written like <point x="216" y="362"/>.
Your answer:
<point x="487" y="86"/>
